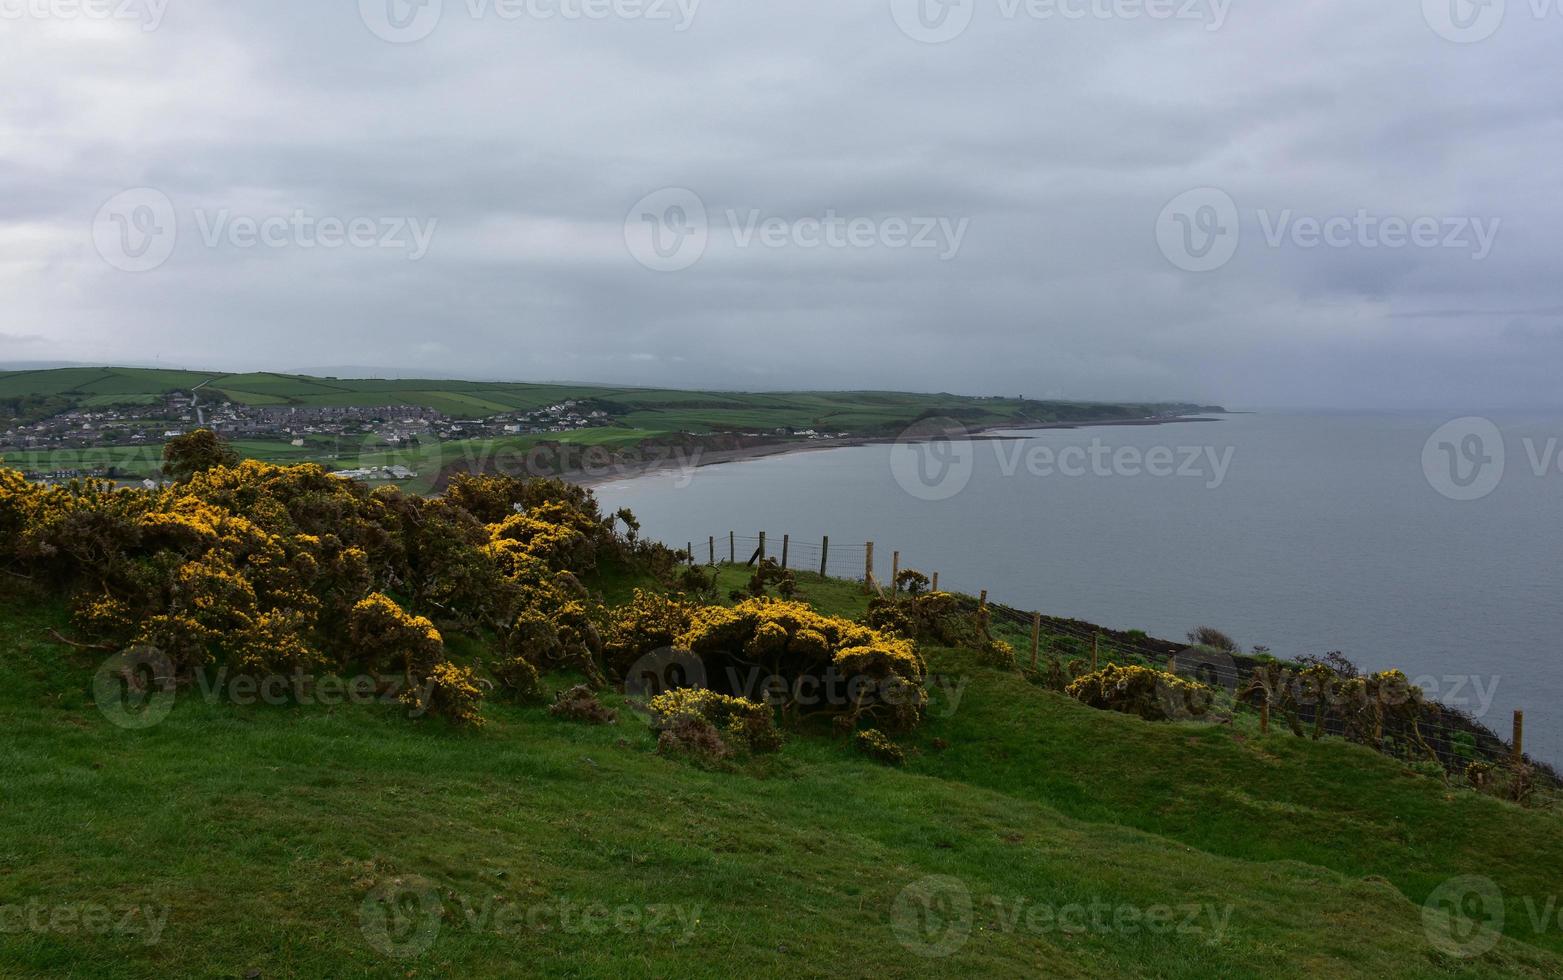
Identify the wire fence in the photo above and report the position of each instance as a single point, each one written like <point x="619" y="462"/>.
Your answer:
<point x="1452" y="737"/>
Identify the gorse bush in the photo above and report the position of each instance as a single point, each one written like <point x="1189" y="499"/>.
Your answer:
<point x="447" y="690"/>
<point x="520" y="679"/>
<point x="736" y="720"/>
<point x="695" y="737"/>
<point x="768" y="575"/>
<point x="649" y="622"/>
<point x="940" y="618"/>
<point x="873" y="743"/>
<point x="1150" y="694"/>
<point x="912" y="582"/>
<point x="266" y="569"/>
<point x="825" y="664"/>
<point x="580" y="703"/>
<point x="805" y="662"/>
<point x="1383" y="710"/>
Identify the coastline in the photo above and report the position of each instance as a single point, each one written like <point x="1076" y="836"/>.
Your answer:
<point x="680" y="460"/>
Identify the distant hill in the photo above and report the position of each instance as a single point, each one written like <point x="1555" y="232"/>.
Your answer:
<point x="655" y="409"/>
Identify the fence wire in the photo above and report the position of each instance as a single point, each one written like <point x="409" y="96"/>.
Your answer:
<point x="1454" y="745"/>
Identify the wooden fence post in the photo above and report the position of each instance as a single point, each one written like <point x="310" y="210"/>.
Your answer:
<point x="712" y="542"/>
<point x="1036" y="638"/>
<point x="1264" y="717"/>
<point x="824" y="556"/>
<point x="868" y="564"/>
<point x="691" y="547"/>
<point x="762" y="547"/>
<point x="1096" y="642"/>
<point x="1519" y="737"/>
<point x="732" y="547"/>
<point x="982" y="602"/>
<point x="936" y="581"/>
<point x="895" y="573"/>
<point x="786" y="543"/>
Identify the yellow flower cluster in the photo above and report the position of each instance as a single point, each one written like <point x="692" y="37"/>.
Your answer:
<point x="448" y="691"/>
<point x="738" y="719"/>
<point x="774" y="631"/>
<point x="1151" y="694"/>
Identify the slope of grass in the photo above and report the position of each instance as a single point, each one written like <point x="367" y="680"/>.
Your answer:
<point x="657" y="410"/>
<point x="268" y="836"/>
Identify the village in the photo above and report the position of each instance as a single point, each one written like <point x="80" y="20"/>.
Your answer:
<point x="134" y="434"/>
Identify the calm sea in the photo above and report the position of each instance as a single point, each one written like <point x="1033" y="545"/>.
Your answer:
<point x="1401" y="541"/>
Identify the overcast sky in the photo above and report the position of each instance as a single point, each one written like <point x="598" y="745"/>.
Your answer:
<point x="476" y="189"/>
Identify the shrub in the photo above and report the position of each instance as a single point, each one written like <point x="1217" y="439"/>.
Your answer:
<point x="693" y="736"/>
<point x="269" y="569"/>
<point x="696" y="581"/>
<point x="873" y="743"/>
<point x="1207" y="636"/>
<point x="912" y="582"/>
<point x="385" y="637"/>
<point x="1478" y="775"/>
<point x="556" y="637"/>
<point x="882" y="674"/>
<point x="1150" y="694"/>
<point x="943" y="619"/>
<point x="649" y="622"/>
<point x="448" y="691"/>
<point x="520" y="678"/>
<point x="741" y="720"/>
<point x="767" y="574"/>
<point x="580" y="703"/>
<point x="196" y="452"/>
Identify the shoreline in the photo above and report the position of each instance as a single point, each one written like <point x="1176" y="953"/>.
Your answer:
<point x="679" y="460"/>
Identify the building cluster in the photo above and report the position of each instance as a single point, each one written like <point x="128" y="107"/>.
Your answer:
<point x="329" y="427"/>
<point x="83" y="428"/>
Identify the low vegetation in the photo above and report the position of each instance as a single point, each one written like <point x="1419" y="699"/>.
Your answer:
<point x="579" y="754"/>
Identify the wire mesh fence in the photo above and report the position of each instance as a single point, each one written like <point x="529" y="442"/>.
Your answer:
<point x="1435" y="732"/>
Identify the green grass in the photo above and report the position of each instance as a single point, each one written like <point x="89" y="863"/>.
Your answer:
<point x="261" y="831"/>
<point x="650" y="409"/>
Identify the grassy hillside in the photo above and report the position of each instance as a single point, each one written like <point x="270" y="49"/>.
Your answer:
<point x="268" y="837"/>
<point x="641" y="408"/>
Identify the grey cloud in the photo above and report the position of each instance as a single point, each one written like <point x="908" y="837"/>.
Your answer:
<point x="1060" y="142"/>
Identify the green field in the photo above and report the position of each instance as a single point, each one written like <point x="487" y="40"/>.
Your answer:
<point x="262" y="841"/>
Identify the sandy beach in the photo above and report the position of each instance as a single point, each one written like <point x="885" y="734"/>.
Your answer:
<point x="681" y="459"/>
